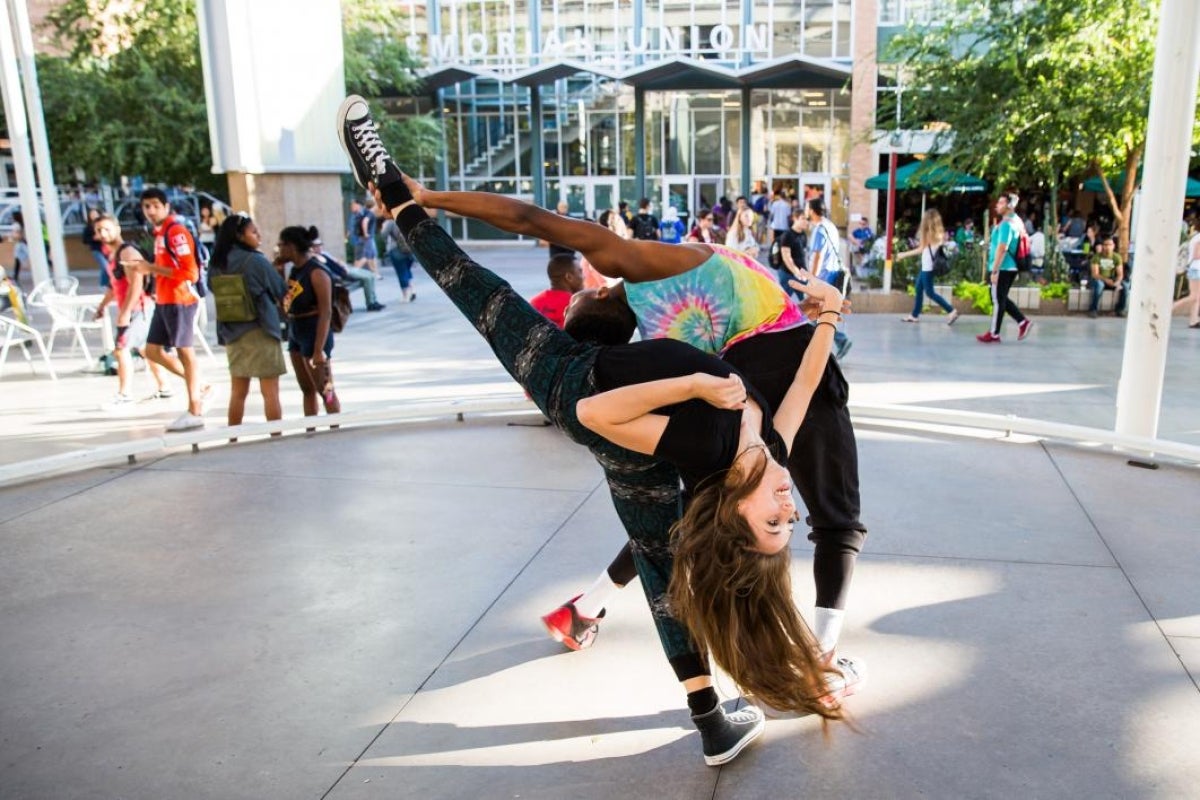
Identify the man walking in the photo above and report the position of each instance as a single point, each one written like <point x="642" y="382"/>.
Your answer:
<point x="1002" y="246"/>
<point x="781" y="213"/>
<point x="173" y="323"/>
<point x="826" y="261"/>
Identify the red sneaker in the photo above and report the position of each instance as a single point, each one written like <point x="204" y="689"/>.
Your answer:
<point x="1023" y="328"/>
<point x="565" y="625"/>
<point x="988" y="338"/>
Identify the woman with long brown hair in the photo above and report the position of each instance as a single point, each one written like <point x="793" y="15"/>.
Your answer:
<point x="931" y="236"/>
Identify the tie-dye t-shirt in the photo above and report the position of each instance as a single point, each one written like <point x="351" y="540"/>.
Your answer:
<point x="727" y="298"/>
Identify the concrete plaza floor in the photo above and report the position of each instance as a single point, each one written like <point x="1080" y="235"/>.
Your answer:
<point x="355" y="613"/>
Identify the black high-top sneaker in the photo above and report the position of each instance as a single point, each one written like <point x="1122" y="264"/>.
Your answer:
<point x="724" y="735"/>
<point x="369" y="159"/>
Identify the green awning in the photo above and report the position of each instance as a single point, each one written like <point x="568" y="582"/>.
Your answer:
<point x="933" y="178"/>
<point x="1094" y="184"/>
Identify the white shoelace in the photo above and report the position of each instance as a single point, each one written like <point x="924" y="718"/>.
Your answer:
<point x="369" y="143"/>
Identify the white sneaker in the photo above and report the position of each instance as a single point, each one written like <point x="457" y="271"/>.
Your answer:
<point x="853" y="676"/>
<point x="186" y="422"/>
<point x="117" y="402"/>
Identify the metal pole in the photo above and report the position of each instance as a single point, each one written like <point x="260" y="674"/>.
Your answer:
<point x="1168" y="147"/>
<point x="891" y="223"/>
<point x="18" y="132"/>
<point x="41" y="145"/>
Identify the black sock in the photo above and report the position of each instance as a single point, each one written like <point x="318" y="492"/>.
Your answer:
<point x="410" y="218"/>
<point x="395" y="194"/>
<point x="702" y="701"/>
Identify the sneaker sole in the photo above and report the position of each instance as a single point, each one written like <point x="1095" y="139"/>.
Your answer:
<point x="343" y="109"/>
<point x="730" y="755"/>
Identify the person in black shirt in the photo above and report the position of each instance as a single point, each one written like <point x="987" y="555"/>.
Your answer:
<point x="637" y="407"/>
<point x="793" y="250"/>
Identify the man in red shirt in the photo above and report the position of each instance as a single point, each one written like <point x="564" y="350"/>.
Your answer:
<point x="132" y="308"/>
<point x="175" y="271"/>
<point x="566" y="278"/>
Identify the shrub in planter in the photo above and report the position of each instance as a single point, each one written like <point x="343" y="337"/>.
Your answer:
<point x="979" y="294"/>
<point x="1055" y="291"/>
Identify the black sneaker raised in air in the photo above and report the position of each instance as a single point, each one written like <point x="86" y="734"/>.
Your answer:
<point x="369" y="159"/>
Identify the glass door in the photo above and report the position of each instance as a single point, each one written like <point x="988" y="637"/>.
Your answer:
<point x="575" y="192"/>
<point x="605" y="195"/>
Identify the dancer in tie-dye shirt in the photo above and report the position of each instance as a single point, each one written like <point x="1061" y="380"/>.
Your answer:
<point x="724" y="303"/>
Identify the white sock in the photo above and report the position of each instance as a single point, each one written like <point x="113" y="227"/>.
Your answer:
<point x="592" y="602"/>
<point x="827" y="627"/>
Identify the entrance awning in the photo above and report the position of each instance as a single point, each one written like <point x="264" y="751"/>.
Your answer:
<point x="549" y="73"/>
<point x="796" y="72"/>
<point x="681" y="73"/>
<point x="442" y="77"/>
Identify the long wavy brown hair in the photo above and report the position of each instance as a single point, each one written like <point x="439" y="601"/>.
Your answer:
<point x="737" y="603"/>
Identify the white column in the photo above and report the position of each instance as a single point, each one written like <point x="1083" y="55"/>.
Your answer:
<point x="1168" y="146"/>
<point x="18" y="133"/>
<point x="41" y="144"/>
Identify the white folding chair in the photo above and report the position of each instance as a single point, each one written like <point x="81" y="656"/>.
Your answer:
<point x="66" y="314"/>
<point x="20" y="334"/>
<point x="200" y="326"/>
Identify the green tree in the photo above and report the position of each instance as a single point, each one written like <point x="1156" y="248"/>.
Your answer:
<point x="1036" y="91"/>
<point x="127" y="96"/>
<point x="379" y="67"/>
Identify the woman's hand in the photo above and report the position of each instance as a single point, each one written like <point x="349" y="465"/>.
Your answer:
<point x="729" y="393"/>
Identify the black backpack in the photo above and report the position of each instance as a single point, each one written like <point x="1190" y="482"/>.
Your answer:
<point x="941" y="262"/>
<point x="645" y="226"/>
<point x="147" y="279"/>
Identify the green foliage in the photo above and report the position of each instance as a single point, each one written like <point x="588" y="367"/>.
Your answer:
<point x="376" y="60"/>
<point x="980" y="294"/>
<point x="1033" y="90"/>
<point x="1055" y="291"/>
<point x="128" y="96"/>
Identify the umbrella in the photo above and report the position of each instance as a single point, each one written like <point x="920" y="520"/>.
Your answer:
<point x="933" y="178"/>
<point x="1094" y="184"/>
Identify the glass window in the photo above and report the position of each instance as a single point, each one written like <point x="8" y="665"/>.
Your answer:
<point x="708" y="141"/>
<point x="818" y="28"/>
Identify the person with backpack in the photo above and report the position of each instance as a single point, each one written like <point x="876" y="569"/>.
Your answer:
<point x="671" y="229"/>
<point x="645" y="224"/>
<point x="309" y="306"/>
<point x="132" y="298"/>
<point x="825" y="259"/>
<point x="934" y="263"/>
<point x="1003" y="247"/>
<point x="248" y="290"/>
<point x="177" y="292"/>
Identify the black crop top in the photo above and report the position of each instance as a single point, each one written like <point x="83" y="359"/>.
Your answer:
<point x="700" y="439"/>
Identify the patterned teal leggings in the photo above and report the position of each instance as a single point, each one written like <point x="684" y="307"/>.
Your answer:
<point x="556" y="371"/>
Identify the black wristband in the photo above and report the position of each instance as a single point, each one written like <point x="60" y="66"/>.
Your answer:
<point x="830" y="311"/>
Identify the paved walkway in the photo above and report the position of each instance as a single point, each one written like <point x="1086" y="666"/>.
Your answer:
<point x="354" y="614"/>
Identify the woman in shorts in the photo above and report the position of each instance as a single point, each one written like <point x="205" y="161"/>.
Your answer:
<point x="309" y="306"/>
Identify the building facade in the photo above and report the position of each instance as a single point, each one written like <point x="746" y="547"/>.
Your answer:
<point x="681" y="101"/>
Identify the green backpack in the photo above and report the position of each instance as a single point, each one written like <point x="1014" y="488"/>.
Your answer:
<point x="233" y="301"/>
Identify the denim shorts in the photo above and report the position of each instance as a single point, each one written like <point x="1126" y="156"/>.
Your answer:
<point x="1193" y="271"/>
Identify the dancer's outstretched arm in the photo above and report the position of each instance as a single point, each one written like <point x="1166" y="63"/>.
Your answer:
<point x="614" y="257"/>
<point x="794" y="406"/>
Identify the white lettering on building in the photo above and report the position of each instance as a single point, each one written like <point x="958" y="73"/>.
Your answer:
<point x="727" y="41"/>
